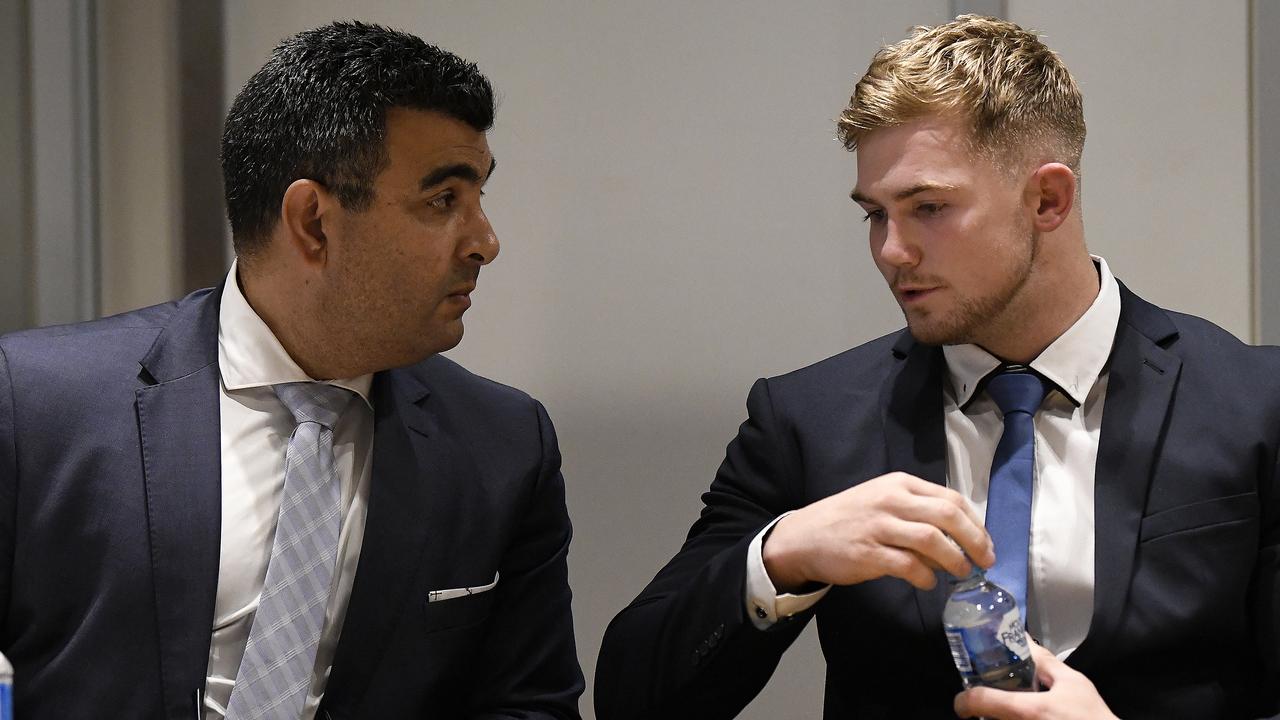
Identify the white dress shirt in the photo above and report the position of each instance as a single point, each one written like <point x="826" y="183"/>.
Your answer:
<point x="255" y="429"/>
<point x="1060" y="575"/>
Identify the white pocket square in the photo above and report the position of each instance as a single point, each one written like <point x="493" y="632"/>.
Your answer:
<point x="438" y="595"/>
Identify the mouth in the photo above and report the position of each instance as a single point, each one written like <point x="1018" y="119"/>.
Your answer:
<point x="462" y="295"/>
<point x="909" y="294"/>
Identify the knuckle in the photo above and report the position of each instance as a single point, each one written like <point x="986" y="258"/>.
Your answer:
<point x="899" y="564"/>
<point x="951" y="515"/>
<point x="921" y="535"/>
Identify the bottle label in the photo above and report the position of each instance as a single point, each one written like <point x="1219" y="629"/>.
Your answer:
<point x="982" y="648"/>
<point x="958" y="652"/>
<point x="1013" y="635"/>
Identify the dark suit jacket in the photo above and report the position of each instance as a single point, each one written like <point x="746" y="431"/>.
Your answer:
<point x="1186" y="619"/>
<point x="110" y="511"/>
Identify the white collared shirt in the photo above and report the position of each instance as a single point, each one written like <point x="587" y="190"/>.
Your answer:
<point x="255" y="429"/>
<point x="1060" y="577"/>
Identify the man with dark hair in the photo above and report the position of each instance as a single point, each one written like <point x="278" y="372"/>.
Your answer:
<point x="273" y="498"/>
<point x="1113" y="464"/>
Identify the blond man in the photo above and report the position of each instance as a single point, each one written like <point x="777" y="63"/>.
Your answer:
<point x="1141" y="529"/>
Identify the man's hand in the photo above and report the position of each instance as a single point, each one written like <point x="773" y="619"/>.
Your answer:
<point x="1070" y="697"/>
<point x="896" y="524"/>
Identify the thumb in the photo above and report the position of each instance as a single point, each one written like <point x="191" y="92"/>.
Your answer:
<point x="1048" y="666"/>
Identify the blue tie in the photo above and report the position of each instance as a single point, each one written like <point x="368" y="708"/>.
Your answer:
<point x="1018" y="394"/>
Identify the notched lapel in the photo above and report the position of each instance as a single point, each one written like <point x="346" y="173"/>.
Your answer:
<point x="915" y="435"/>
<point x="916" y="440"/>
<point x="179" y="434"/>
<point x="1142" y="376"/>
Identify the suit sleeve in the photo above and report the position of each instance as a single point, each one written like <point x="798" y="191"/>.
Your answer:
<point x="685" y="647"/>
<point x="8" y="494"/>
<point x="1265" y="598"/>
<point x="531" y="663"/>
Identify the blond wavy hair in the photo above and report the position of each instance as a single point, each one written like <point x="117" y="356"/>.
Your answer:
<point x="1015" y="94"/>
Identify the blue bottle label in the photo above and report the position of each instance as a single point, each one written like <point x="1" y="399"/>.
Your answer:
<point x="6" y="701"/>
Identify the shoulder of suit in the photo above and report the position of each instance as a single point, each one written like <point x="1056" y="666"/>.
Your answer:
<point x="446" y="378"/>
<point x="1201" y="338"/>
<point x="866" y="363"/>
<point x="94" y="343"/>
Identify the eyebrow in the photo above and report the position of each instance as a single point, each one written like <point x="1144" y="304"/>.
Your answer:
<point x="904" y="194"/>
<point x="462" y="171"/>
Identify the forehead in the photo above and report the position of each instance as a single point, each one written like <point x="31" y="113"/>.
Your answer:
<point x="929" y="150"/>
<point x="419" y="140"/>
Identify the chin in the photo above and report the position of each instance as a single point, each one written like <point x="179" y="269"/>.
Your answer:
<point x="444" y="339"/>
<point x="933" y="333"/>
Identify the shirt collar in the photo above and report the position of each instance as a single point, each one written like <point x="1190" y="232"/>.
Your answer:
<point x="249" y="355"/>
<point x="1072" y="362"/>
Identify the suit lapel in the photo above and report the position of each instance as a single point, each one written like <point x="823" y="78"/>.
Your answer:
<point x="414" y="461"/>
<point x="179" y="433"/>
<point x="1142" y="376"/>
<point x="915" y="437"/>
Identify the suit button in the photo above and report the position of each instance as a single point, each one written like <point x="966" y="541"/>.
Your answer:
<point x="719" y="633"/>
<point x="713" y="641"/>
<point x="703" y="649"/>
<point x="760" y="613"/>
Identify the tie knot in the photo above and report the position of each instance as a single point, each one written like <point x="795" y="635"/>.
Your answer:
<point x="1017" y="391"/>
<point x="315" y="402"/>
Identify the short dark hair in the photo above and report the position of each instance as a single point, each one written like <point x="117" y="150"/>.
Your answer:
<point x="317" y="110"/>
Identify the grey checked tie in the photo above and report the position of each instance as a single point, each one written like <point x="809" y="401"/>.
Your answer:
<point x="275" y="673"/>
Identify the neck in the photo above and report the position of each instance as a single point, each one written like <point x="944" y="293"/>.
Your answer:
<point x="283" y="307"/>
<point x="1048" y="305"/>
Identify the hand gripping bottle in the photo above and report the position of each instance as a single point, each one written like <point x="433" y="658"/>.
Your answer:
<point x="986" y="634"/>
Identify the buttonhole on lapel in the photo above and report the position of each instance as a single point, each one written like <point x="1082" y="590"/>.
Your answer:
<point x="1153" y="366"/>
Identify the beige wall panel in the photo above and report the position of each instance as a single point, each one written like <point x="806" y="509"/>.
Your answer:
<point x="140" y="196"/>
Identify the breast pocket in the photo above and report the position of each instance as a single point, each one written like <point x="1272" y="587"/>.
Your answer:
<point x="1199" y="516"/>
<point x="459" y="607"/>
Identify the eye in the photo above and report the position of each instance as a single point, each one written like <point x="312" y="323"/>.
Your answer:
<point x="873" y="216"/>
<point x="443" y="201"/>
<point x="930" y="209"/>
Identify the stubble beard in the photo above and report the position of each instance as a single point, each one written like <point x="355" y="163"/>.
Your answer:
<point x="970" y="318"/>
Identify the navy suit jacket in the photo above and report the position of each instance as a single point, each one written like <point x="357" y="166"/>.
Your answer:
<point x="110" y="510"/>
<point x="1186" y="617"/>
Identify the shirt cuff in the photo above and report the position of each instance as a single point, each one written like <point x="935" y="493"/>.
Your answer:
<point x="764" y="605"/>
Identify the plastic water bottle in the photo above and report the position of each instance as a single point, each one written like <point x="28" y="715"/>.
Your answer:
<point x="6" y="689"/>
<point x="986" y="634"/>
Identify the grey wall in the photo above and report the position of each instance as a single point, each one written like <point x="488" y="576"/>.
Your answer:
<point x="1166" y="165"/>
<point x="141" y="181"/>
<point x="1264" y="28"/>
<point x="15" y="178"/>
<point x="63" y="228"/>
<point x="674" y="217"/>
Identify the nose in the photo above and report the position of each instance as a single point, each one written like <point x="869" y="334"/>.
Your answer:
<point x="897" y="250"/>
<point x="482" y="246"/>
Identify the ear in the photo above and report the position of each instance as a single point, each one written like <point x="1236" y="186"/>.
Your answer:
<point x="305" y="211"/>
<point x="1050" y="196"/>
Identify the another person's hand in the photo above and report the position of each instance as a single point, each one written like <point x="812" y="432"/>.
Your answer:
<point x="895" y="524"/>
<point x="1071" y="696"/>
